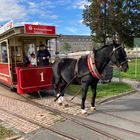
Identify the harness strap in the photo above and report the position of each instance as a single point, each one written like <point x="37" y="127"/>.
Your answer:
<point x="92" y="66"/>
<point x="76" y="67"/>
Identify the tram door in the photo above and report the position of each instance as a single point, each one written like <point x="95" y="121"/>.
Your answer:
<point x="15" y="59"/>
<point x="4" y="63"/>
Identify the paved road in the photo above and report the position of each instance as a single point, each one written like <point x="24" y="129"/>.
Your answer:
<point x="126" y="108"/>
<point x="122" y="114"/>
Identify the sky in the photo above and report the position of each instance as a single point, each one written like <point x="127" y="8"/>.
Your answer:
<point x="66" y="15"/>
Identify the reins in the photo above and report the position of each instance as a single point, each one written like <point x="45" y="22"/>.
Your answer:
<point x="75" y="76"/>
<point x="86" y="73"/>
<point x="114" y="49"/>
<point x="64" y="88"/>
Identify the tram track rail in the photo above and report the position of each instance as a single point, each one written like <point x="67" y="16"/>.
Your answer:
<point x="63" y="134"/>
<point x="65" y="115"/>
<point x="76" y="119"/>
<point x="115" y="116"/>
<point x="119" y="117"/>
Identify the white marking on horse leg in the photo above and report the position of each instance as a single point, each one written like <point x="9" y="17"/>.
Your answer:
<point x="62" y="98"/>
<point x="93" y="108"/>
<point x="59" y="99"/>
<point x="83" y="111"/>
<point x="65" y="103"/>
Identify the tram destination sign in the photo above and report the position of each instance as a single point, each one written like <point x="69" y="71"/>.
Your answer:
<point x="39" y="29"/>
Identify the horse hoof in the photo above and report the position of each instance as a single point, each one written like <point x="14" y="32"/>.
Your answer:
<point x="93" y="109"/>
<point x="59" y="103"/>
<point x="66" y="105"/>
<point x="60" y="100"/>
<point x="83" y="112"/>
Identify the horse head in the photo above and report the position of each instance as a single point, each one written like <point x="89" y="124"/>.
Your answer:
<point x="119" y="58"/>
<point x="116" y="39"/>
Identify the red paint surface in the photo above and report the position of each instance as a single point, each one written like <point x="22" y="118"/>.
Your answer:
<point x="4" y="74"/>
<point x="33" y="79"/>
<point x="39" y="29"/>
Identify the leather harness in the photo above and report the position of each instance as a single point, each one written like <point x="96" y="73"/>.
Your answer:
<point x="92" y="66"/>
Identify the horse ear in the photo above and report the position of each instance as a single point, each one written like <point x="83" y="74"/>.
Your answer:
<point x="93" y="50"/>
<point x="116" y="39"/>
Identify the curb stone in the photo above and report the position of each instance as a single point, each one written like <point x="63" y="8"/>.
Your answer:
<point x="14" y="137"/>
<point x="133" y="83"/>
<point x="105" y="100"/>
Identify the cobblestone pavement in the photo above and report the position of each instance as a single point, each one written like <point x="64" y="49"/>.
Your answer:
<point x="35" y="113"/>
<point x="24" y="109"/>
<point x="32" y="112"/>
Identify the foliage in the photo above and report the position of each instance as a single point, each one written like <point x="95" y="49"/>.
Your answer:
<point x="5" y="133"/>
<point x="131" y="72"/>
<point x="107" y="17"/>
<point x="112" y="89"/>
<point x="66" y="47"/>
<point x="103" y="90"/>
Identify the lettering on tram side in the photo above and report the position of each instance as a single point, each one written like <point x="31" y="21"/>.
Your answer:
<point x="41" y="77"/>
<point x="4" y="78"/>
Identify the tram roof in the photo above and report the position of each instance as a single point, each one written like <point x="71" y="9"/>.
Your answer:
<point x="19" y="31"/>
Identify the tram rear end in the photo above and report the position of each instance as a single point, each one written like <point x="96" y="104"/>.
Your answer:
<point x="33" y="79"/>
<point x="21" y="42"/>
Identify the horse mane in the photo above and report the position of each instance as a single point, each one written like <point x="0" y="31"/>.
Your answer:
<point x="102" y="47"/>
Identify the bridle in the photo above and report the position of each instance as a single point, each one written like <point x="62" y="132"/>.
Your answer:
<point x="120" y="63"/>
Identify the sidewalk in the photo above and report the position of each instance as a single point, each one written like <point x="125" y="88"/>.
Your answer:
<point x="44" y="134"/>
<point x="69" y="127"/>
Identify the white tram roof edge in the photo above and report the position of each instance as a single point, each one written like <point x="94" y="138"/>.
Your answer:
<point x="19" y="31"/>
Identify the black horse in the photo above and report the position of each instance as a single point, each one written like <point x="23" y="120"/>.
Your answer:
<point x="67" y="69"/>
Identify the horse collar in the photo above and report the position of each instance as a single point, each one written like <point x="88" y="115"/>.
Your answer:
<point x="92" y="66"/>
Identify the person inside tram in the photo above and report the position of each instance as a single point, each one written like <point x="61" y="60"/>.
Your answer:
<point x="31" y="50"/>
<point x="43" y="55"/>
<point x="26" y="61"/>
<point x="33" y="60"/>
<point x="4" y="56"/>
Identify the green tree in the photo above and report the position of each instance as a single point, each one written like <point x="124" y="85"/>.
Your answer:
<point x="104" y="17"/>
<point x="66" y="47"/>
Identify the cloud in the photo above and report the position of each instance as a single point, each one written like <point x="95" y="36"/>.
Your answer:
<point x="59" y="13"/>
<point x="81" y="21"/>
<point x="10" y="9"/>
<point x="71" y="29"/>
<point x="80" y="4"/>
<point x="23" y="10"/>
<point x="63" y="2"/>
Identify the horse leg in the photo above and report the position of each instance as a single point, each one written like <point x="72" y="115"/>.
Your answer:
<point x="93" y="88"/>
<point x="56" y="86"/>
<point x="62" y="87"/>
<point x="84" y="87"/>
<point x="59" y="86"/>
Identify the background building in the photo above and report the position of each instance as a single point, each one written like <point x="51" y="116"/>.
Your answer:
<point x="76" y="43"/>
<point x="72" y="46"/>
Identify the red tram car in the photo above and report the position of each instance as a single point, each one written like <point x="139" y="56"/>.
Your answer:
<point x="15" y="44"/>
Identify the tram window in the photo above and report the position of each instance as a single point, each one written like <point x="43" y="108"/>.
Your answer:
<point x="3" y="53"/>
<point x="18" y="51"/>
<point x="18" y="54"/>
<point x="29" y="48"/>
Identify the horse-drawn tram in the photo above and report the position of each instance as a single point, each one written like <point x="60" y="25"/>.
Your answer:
<point x="17" y="47"/>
